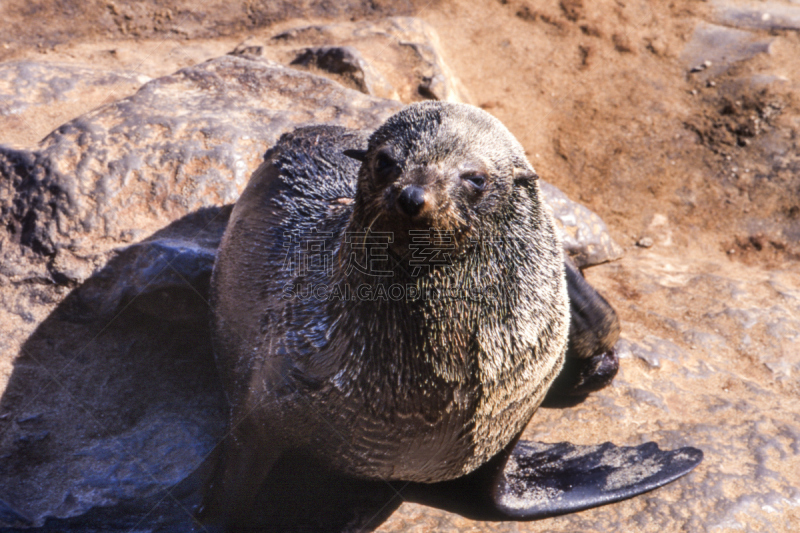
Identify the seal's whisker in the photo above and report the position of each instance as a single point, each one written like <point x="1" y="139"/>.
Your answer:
<point x="368" y="229"/>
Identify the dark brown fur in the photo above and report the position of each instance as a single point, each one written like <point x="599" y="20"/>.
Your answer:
<point x="418" y="389"/>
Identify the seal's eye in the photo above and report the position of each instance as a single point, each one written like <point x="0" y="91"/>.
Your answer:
<point x="476" y="181"/>
<point x="386" y="168"/>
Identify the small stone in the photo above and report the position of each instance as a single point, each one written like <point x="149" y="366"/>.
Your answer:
<point x="645" y="242"/>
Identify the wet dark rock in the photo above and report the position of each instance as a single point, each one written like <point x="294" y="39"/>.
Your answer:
<point x="116" y="392"/>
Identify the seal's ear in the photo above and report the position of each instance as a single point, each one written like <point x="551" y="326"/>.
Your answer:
<point x="524" y="176"/>
<point x="358" y="155"/>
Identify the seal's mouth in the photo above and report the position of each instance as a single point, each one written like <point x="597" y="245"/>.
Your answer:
<point x="426" y="229"/>
<point x="422" y="206"/>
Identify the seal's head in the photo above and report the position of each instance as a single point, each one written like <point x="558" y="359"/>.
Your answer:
<point x="438" y="166"/>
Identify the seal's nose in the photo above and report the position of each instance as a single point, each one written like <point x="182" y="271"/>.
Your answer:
<point x="411" y="200"/>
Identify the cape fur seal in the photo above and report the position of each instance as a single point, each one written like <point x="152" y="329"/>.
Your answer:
<point x="385" y="331"/>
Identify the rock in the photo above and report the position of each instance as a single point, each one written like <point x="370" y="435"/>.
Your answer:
<point x="36" y="97"/>
<point x="398" y="58"/>
<point x="584" y="234"/>
<point x="404" y="54"/>
<point x="347" y="63"/>
<point x="181" y="143"/>
<point x="714" y="49"/>
<point x="769" y="16"/>
<point x="113" y="407"/>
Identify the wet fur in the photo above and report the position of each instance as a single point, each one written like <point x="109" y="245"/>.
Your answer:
<point x="422" y="390"/>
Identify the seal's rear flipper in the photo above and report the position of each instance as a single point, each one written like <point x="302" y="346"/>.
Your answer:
<point x="542" y="480"/>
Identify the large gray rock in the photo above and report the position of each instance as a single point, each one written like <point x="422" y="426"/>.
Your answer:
<point x="181" y="143"/>
<point x="37" y="97"/>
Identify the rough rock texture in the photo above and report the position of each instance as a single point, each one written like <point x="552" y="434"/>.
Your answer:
<point x="399" y="57"/>
<point x="180" y="143"/>
<point x="584" y="234"/>
<point x="33" y="95"/>
<point x="117" y="173"/>
<point x="405" y="54"/>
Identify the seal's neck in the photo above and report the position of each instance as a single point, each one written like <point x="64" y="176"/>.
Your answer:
<point x="429" y="307"/>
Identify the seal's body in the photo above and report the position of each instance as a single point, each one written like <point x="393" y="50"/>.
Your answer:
<point x="397" y="321"/>
<point x="433" y="379"/>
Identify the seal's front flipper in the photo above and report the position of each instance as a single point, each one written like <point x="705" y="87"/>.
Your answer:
<point x="541" y="480"/>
